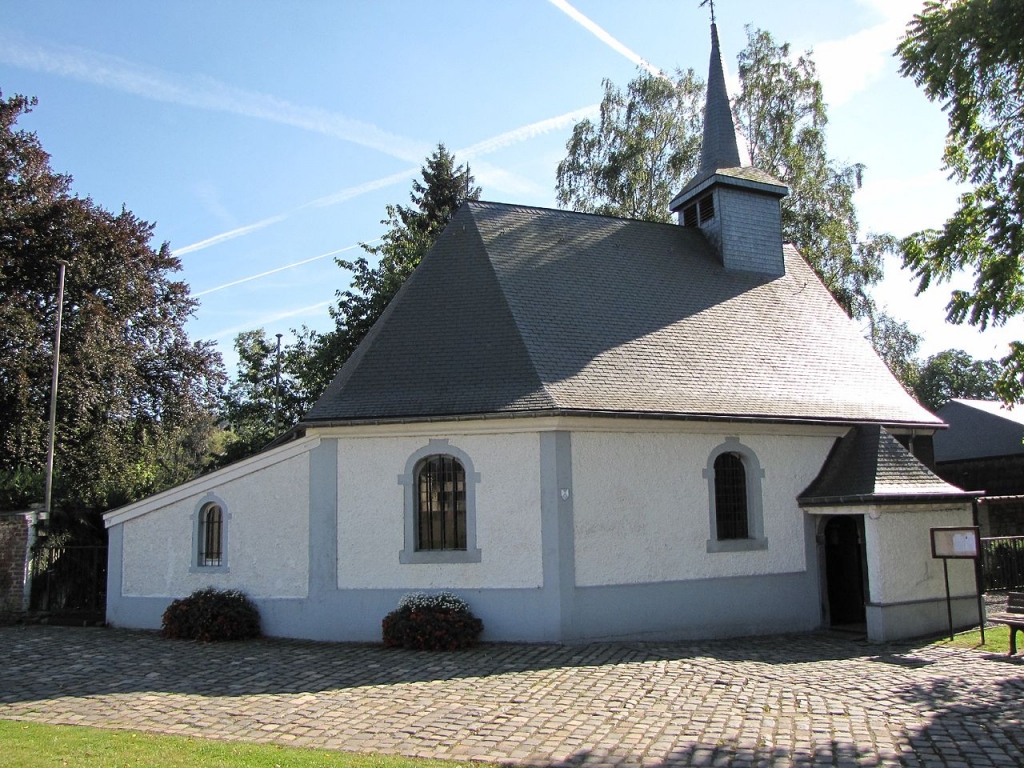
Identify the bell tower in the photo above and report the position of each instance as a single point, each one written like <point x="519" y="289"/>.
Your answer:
<point x="737" y="206"/>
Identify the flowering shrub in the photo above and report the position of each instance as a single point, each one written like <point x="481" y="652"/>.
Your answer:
<point x="210" y="615"/>
<point x="441" y="622"/>
<point x="444" y="601"/>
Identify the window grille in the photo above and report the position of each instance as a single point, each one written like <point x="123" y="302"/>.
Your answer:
<point x="690" y="216"/>
<point x="731" y="497"/>
<point x="441" y="504"/>
<point x="211" y="529"/>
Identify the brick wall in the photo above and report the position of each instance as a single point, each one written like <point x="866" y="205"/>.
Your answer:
<point x="14" y="540"/>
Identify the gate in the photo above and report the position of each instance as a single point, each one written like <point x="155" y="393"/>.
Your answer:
<point x="1003" y="562"/>
<point x="70" y="582"/>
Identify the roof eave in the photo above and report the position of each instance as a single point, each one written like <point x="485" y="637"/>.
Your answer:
<point x="882" y="499"/>
<point x="597" y="413"/>
<point x="699" y="185"/>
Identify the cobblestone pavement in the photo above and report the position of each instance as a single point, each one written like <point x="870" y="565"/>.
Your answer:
<point x="817" y="699"/>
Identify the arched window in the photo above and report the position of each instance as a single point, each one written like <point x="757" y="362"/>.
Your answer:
<point x="440" y="504"/>
<point x="730" y="497"/>
<point x="736" y="515"/>
<point x="211" y="535"/>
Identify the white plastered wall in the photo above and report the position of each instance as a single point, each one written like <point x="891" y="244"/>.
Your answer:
<point x="900" y="563"/>
<point x="267" y="537"/>
<point x="641" y="507"/>
<point x="371" y="514"/>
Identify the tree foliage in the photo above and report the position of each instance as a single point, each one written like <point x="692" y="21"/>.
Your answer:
<point x="135" y="395"/>
<point x="969" y="56"/>
<point x="897" y="345"/>
<point x="311" y="360"/>
<point x="411" y="232"/>
<point x="259" y="404"/>
<point x="782" y="114"/>
<point x="644" y="146"/>
<point x="954" y="373"/>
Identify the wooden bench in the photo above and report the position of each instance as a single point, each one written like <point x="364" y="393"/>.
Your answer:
<point x="1014" y="617"/>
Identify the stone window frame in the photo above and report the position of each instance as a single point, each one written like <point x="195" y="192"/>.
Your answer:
<point x="198" y="534"/>
<point x="756" y="539"/>
<point x="409" y="555"/>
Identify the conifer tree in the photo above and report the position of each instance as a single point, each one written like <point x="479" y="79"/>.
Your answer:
<point x="411" y="231"/>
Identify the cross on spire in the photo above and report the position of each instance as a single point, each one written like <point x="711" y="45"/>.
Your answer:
<point x="711" y="4"/>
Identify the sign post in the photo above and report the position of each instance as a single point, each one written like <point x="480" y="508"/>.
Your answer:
<point x="956" y="543"/>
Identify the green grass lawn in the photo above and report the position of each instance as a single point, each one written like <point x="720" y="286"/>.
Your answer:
<point x="30" y="745"/>
<point x="997" y="640"/>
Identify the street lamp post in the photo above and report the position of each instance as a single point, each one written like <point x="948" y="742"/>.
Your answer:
<point x="277" y="388"/>
<point x="48" y="494"/>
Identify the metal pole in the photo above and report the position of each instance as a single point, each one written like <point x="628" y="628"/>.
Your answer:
<point x="978" y="576"/>
<point x="277" y="388"/>
<point x="949" y="601"/>
<point x="48" y="495"/>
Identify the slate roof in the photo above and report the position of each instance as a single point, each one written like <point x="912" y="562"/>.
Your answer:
<point x="869" y="466"/>
<point x="519" y="310"/>
<point x="979" y="429"/>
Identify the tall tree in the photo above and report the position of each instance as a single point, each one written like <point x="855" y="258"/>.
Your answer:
<point x="954" y="373"/>
<point x="969" y="56"/>
<point x="897" y="345"/>
<point x="265" y="398"/>
<point x="644" y="146"/>
<point x="411" y="232"/>
<point x="782" y="114"/>
<point x="135" y="394"/>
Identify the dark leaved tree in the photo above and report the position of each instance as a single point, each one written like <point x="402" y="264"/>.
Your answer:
<point x="954" y="373"/>
<point x="136" y="395"/>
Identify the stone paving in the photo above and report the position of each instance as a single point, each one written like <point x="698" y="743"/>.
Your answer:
<point x="819" y="699"/>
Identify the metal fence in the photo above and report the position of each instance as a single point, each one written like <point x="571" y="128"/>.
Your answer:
<point x="1003" y="562"/>
<point x="70" y="581"/>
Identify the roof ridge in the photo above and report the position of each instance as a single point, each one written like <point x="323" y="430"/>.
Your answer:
<point x="568" y="212"/>
<point x="553" y="402"/>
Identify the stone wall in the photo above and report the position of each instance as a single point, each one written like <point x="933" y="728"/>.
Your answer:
<point x="14" y="542"/>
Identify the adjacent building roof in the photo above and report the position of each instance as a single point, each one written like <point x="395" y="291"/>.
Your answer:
<point x="979" y="429"/>
<point x="869" y="466"/>
<point x="519" y="310"/>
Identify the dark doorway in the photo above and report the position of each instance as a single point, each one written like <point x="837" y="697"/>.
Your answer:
<point x="844" y="570"/>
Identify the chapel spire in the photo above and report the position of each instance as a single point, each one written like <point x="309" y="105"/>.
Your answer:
<point x="720" y="146"/>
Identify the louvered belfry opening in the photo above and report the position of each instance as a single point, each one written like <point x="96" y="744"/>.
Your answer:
<point x="211" y="535"/>
<point x="441" y="510"/>
<point x="731" y="497"/>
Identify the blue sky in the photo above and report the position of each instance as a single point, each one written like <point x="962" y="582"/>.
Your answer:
<point x="263" y="138"/>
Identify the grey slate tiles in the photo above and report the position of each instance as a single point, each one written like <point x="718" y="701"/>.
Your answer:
<point x="870" y="466"/>
<point x="520" y="310"/>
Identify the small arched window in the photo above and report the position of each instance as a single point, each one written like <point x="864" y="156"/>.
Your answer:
<point x="735" y="506"/>
<point x="439" y="485"/>
<point x="730" y="497"/>
<point x="440" y="504"/>
<point x="211" y="535"/>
